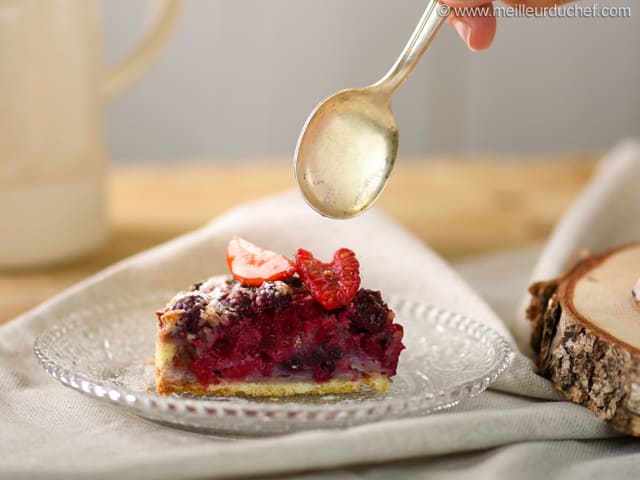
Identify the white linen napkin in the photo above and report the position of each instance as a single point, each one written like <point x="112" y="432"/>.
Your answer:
<point x="49" y="431"/>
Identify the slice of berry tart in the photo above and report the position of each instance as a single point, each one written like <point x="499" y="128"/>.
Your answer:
<point x="277" y="327"/>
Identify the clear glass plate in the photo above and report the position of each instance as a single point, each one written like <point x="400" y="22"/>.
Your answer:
<point x="106" y="352"/>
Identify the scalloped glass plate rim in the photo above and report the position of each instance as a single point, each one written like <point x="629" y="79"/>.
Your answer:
<point x="184" y="411"/>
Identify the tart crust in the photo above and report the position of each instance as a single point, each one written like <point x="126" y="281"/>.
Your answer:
<point x="377" y="382"/>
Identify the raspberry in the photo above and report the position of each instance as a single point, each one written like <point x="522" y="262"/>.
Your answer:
<point x="333" y="284"/>
<point x="253" y="266"/>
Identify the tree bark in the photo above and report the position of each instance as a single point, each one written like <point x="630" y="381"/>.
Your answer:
<point x="586" y="334"/>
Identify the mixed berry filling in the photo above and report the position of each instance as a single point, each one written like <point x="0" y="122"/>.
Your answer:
<point x="227" y="331"/>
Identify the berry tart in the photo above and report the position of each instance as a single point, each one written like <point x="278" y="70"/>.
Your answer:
<point x="277" y="327"/>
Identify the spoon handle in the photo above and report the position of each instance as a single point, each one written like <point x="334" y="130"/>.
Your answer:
<point x="432" y="19"/>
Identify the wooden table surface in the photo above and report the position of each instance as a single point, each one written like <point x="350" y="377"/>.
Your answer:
<point x="459" y="206"/>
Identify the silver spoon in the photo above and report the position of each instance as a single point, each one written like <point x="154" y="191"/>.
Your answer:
<point x="349" y="143"/>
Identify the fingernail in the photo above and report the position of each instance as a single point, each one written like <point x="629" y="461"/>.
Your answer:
<point x="463" y="29"/>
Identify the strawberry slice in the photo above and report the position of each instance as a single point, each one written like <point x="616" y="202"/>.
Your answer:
<point x="333" y="284"/>
<point x="253" y="266"/>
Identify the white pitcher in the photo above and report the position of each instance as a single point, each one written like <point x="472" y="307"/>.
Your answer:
<point x="53" y="88"/>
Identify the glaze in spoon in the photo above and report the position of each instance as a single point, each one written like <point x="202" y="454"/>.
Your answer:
<point x="348" y="145"/>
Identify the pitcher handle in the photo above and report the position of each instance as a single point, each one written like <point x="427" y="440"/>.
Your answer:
<point x="146" y="51"/>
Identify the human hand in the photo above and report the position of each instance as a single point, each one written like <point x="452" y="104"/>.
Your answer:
<point x="477" y="25"/>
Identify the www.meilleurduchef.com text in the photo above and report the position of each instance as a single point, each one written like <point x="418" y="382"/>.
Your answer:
<point x="556" y="11"/>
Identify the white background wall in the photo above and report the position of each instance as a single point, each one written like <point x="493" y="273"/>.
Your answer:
<point x="240" y="77"/>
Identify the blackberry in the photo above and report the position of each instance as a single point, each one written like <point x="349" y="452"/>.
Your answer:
<point x="367" y="312"/>
<point x="189" y="303"/>
<point x="273" y="296"/>
<point x="293" y="281"/>
<point x="192" y="305"/>
<point x="239" y="300"/>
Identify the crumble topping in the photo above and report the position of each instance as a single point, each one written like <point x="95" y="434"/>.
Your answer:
<point x="211" y="315"/>
<point x="216" y="299"/>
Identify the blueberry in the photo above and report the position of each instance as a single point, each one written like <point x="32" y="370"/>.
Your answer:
<point x="293" y="365"/>
<point x="334" y="353"/>
<point x="324" y="369"/>
<point x="328" y="367"/>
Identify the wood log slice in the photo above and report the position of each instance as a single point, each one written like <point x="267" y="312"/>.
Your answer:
<point x="586" y="334"/>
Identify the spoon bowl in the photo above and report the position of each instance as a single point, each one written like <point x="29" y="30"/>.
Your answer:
<point x="346" y="152"/>
<point x="348" y="145"/>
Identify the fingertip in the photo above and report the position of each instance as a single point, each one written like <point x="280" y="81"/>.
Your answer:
<point x="463" y="29"/>
<point x="476" y="30"/>
<point x="483" y="31"/>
